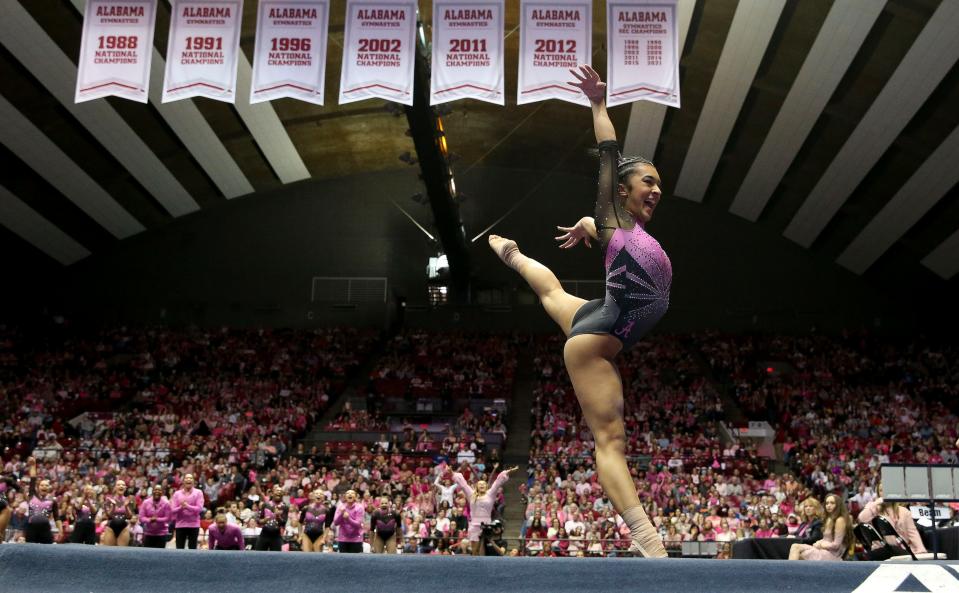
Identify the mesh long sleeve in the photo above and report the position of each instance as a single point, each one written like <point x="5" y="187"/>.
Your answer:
<point x="608" y="213"/>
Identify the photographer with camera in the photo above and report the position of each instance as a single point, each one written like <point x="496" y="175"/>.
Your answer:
<point x="492" y="538"/>
<point x="482" y="499"/>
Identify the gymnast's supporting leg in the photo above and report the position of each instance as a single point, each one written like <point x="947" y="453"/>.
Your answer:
<point x="599" y="389"/>
<point x="560" y="305"/>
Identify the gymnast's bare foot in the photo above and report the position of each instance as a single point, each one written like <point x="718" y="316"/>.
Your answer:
<point x="505" y="249"/>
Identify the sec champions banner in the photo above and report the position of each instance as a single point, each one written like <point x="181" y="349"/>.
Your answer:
<point x="643" y="42"/>
<point x="378" y="46"/>
<point x="555" y="36"/>
<point x="290" y="56"/>
<point x="202" y="50"/>
<point x="116" y="49"/>
<point x="467" y="51"/>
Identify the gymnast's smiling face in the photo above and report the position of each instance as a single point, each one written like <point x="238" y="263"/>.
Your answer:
<point x="641" y="192"/>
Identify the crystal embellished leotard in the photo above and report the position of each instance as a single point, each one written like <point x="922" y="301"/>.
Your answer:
<point x="638" y="272"/>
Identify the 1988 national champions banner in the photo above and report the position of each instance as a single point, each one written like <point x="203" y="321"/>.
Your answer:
<point x="116" y="49"/>
<point x="290" y="57"/>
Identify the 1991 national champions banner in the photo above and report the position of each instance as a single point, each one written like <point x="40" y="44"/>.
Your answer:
<point x="203" y="49"/>
<point x="116" y="49"/>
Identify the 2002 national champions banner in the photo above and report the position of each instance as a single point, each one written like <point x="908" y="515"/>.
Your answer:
<point x="202" y="50"/>
<point x="467" y="51"/>
<point x="378" y="48"/>
<point x="555" y="36"/>
<point x="290" y="56"/>
<point x="116" y="49"/>
<point x="643" y="43"/>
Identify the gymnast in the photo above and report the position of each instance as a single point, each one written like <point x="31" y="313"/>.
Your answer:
<point x="638" y="278"/>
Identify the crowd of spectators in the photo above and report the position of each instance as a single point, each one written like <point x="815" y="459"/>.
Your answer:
<point x="225" y="407"/>
<point x="148" y="407"/>
<point x="446" y="365"/>
<point x="844" y="405"/>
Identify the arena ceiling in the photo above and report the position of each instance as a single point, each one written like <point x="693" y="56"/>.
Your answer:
<point x="832" y="124"/>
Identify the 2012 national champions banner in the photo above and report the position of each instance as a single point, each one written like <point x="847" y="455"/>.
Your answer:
<point x="555" y="36"/>
<point x="378" y="51"/>
<point x="290" y="56"/>
<point x="203" y="49"/>
<point x="467" y="51"/>
<point x="643" y="43"/>
<point x="116" y="49"/>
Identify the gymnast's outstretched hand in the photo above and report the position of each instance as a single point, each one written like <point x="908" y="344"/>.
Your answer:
<point x="590" y="83"/>
<point x="584" y="230"/>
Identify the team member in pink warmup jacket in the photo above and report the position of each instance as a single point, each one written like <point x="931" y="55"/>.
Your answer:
<point x="349" y="522"/>
<point x="481" y="499"/>
<point x="187" y="505"/>
<point x="155" y="514"/>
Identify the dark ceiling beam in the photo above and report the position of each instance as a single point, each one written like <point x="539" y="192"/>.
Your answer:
<point x="427" y="134"/>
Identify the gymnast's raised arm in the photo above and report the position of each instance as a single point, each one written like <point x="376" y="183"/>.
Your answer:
<point x="609" y="212"/>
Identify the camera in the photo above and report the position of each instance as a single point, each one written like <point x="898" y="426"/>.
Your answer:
<point x="492" y="528"/>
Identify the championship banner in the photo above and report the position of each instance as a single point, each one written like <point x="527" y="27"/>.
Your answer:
<point x="467" y="51"/>
<point x="202" y="51"/>
<point x="116" y="50"/>
<point x="555" y="36"/>
<point x="643" y="42"/>
<point x="290" y="56"/>
<point x="378" y="51"/>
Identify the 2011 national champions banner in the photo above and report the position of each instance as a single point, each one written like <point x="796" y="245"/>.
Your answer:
<point x="467" y="51"/>
<point x="643" y="42"/>
<point x="203" y="49"/>
<point x="290" y="56"/>
<point x="378" y="51"/>
<point x="116" y="49"/>
<point x="555" y="36"/>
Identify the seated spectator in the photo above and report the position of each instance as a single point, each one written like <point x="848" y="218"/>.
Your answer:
<point x="837" y="537"/>
<point x="810" y="529"/>
<point x="901" y="520"/>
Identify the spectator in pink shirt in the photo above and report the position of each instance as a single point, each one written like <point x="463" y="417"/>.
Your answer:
<point x="155" y="513"/>
<point x="187" y="505"/>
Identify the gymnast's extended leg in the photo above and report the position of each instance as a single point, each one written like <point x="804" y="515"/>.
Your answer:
<point x="559" y="304"/>
<point x="599" y="388"/>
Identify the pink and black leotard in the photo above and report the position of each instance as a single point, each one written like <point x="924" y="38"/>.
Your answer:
<point x="314" y="519"/>
<point x="638" y="272"/>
